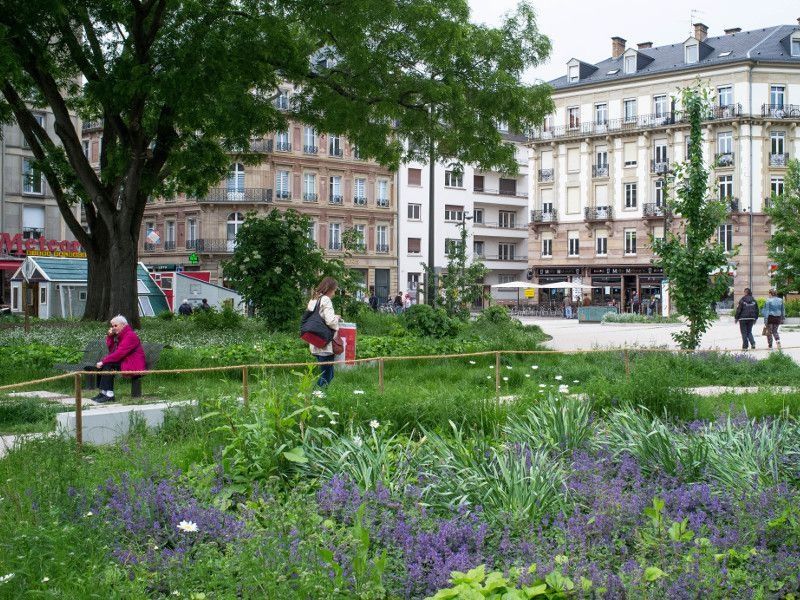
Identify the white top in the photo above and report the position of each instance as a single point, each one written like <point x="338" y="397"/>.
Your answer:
<point x="331" y="320"/>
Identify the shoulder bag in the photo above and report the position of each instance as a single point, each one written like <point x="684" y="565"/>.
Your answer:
<point x="313" y="328"/>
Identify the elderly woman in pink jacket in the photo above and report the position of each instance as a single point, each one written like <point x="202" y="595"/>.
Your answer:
<point x="125" y="353"/>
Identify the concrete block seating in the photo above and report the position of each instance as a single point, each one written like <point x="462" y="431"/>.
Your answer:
<point x="105" y="424"/>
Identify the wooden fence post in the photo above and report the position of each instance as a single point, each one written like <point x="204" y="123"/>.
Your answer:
<point x="245" y="388"/>
<point x="380" y="375"/>
<point x="78" y="412"/>
<point x="497" y="376"/>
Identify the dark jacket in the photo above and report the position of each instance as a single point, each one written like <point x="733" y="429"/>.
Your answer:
<point x="185" y="309"/>
<point x="747" y="309"/>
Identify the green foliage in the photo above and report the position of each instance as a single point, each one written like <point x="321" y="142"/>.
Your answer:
<point x="690" y="259"/>
<point x="555" y="424"/>
<point x="784" y="244"/>
<point x="213" y="319"/>
<point x="494" y="315"/>
<point x="462" y="282"/>
<point x="424" y="320"/>
<point x="612" y="317"/>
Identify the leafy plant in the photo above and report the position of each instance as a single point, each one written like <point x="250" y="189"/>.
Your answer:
<point x="557" y="424"/>
<point x="424" y="320"/>
<point x="461" y="282"/>
<point x="784" y="244"/>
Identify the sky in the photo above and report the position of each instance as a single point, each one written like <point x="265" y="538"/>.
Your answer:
<point x="583" y="28"/>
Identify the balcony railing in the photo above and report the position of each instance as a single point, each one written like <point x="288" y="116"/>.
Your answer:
<point x="778" y="160"/>
<point x="93" y="124"/>
<point x="653" y="210"/>
<point x="497" y="192"/>
<point x="541" y="216"/>
<point x="283" y="146"/>
<point x="382" y="248"/>
<point x="545" y="174"/>
<point x="599" y="170"/>
<point x="781" y="111"/>
<point x="599" y="213"/>
<point x="283" y="195"/>
<point x="731" y="204"/>
<point x="729" y="111"/>
<point x="382" y="202"/>
<point x="334" y="246"/>
<point x="212" y="246"/>
<point x="501" y="225"/>
<point x="337" y="152"/>
<point x="310" y="197"/>
<point x="169" y="245"/>
<point x="724" y="159"/>
<point x="191" y="244"/>
<point x="505" y="257"/>
<point x="360" y="200"/>
<point x="335" y="199"/>
<point x="261" y="145"/>
<point x="244" y="195"/>
<point x="310" y="149"/>
<point x="660" y="167"/>
<point x="148" y="247"/>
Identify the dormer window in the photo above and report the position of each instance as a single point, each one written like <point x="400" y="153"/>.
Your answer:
<point x="630" y="64"/>
<point x="795" y="44"/>
<point x="691" y="53"/>
<point x="573" y="73"/>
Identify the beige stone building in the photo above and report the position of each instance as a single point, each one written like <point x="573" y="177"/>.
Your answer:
<point x="600" y="163"/>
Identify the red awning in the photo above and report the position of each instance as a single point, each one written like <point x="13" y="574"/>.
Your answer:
<point x="10" y="265"/>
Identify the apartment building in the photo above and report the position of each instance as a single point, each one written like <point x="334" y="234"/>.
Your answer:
<point x="315" y="173"/>
<point x="492" y="206"/>
<point x="30" y="221"/>
<point x="600" y="163"/>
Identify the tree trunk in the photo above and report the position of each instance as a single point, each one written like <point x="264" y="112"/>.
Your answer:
<point x="98" y="291"/>
<point x="124" y="292"/>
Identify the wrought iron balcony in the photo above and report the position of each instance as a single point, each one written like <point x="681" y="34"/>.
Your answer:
<point x="659" y="167"/>
<point x="169" y="245"/>
<point x="261" y="145"/>
<point x="148" y="247"/>
<point x="512" y="193"/>
<point x="334" y="246"/>
<point x="382" y="202"/>
<point x="724" y="159"/>
<point x="599" y="170"/>
<point x="778" y="160"/>
<point x="93" y="124"/>
<point x="360" y="200"/>
<point x="310" y="197"/>
<point x="243" y="195"/>
<point x="283" y="195"/>
<point x="729" y="111"/>
<point x="283" y="146"/>
<point x="599" y="213"/>
<point x="654" y="210"/>
<point x="382" y="248"/>
<point x="337" y="152"/>
<point x="731" y="204"/>
<point x="191" y="244"/>
<point x="213" y="246"/>
<point x="505" y="257"/>
<point x="542" y="216"/>
<point x="781" y="111"/>
<point x="545" y="174"/>
<point x="334" y="199"/>
<point x="310" y="149"/>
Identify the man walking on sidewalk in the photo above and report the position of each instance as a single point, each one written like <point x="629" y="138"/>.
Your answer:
<point x="746" y="315"/>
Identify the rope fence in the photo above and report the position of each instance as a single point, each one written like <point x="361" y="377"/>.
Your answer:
<point x="77" y="376"/>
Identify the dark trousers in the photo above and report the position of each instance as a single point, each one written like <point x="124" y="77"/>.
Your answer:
<point x="326" y="364"/>
<point x="746" y="327"/>
<point x="106" y="380"/>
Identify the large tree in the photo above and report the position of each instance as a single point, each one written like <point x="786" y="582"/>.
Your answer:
<point x="182" y="84"/>
<point x="784" y="245"/>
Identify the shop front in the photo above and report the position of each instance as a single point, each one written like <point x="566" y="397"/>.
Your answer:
<point x="617" y="285"/>
<point x="546" y="275"/>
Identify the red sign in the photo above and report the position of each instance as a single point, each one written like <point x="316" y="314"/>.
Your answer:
<point x="21" y="247"/>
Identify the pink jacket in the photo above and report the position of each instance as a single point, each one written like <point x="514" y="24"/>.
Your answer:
<point x="128" y="351"/>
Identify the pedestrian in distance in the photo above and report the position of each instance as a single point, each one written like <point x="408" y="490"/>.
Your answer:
<point x="373" y="299"/>
<point x="774" y="314"/>
<point x="322" y="295"/>
<point x="398" y="303"/>
<point x="746" y="315"/>
<point x="185" y="309"/>
<point x="205" y="305"/>
<point x="567" y="306"/>
<point x="125" y="353"/>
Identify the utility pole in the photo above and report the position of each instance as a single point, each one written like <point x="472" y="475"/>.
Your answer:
<point x="430" y="291"/>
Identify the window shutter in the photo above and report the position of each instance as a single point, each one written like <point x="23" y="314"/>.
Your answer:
<point x="601" y="195"/>
<point x="573" y="200"/>
<point x="573" y="159"/>
<point x="630" y="152"/>
<point x="415" y="177"/>
<point x="414" y="246"/>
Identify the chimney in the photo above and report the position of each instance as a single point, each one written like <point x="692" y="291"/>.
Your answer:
<point x="736" y="30"/>
<point x="700" y="32"/>
<point x="617" y="47"/>
<point x="644" y="45"/>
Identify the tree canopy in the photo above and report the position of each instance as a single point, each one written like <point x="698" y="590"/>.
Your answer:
<point x="180" y="85"/>
<point x="784" y="245"/>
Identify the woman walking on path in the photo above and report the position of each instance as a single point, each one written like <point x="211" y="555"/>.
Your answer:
<point x="746" y="315"/>
<point x="773" y="317"/>
<point x="322" y="296"/>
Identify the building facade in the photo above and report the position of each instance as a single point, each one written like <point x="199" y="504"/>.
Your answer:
<point x="601" y="162"/>
<point x="30" y="220"/>
<point x="492" y="206"/>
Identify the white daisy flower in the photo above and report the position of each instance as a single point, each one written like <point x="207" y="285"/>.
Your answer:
<point x="505" y="378"/>
<point x="187" y="526"/>
<point x="6" y="578"/>
<point x="357" y="441"/>
<point x="527" y="375"/>
<point x="374" y="424"/>
<point x="534" y="367"/>
<point x="472" y="362"/>
<point x="358" y="392"/>
<point x="558" y="378"/>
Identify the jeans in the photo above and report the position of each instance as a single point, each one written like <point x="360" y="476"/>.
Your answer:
<point x="772" y="332"/>
<point x="568" y="312"/>
<point x="326" y="376"/>
<point x="106" y="383"/>
<point x="746" y="327"/>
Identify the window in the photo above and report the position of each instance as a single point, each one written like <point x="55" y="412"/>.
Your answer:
<point x="725" y="142"/>
<point x="382" y="238"/>
<point x="477" y="183"/>
<point x="235" y="181"/>
<point x="312" y="232"/>
<point x="282" y="184"/>
<point x="414" y="245"/>
<point x="309" y="140"/>
<point x="310" y="187"/>
<point x="506" y="277"/>
<point x="777" y="96"/>
<point x="43" y="295"/>
<point x="234" y="223"/>
<point x="334" y="236"/>
<point x="361" y="236"/>
<point x="507" y="219"/>
<point x="382" y="193"/>
<point x="725" y="96"/>
<point x="451" y="246"/>
<point x="573" y="117"/>
<point x="658" y="232"/>
<point x="776" y="186"/>
<point x="573" y="160"/>
<point x="692" y="53"/>
<point x="777" y="142"/>
<point x="415" y="177"/>
<point x="282" y="101"/>
<point x="547" y="247"/>
<point x="335" y="196"/>
<point x="39" y="117"/>
<point x="478" y="248"/>
<point x="413" y="282"/>
<point x="502" y="127"/>
<point x="32" y="180"/>
<point x="82" y="296"/>
<point x="573" y="73"/>
<point x="660" y="105"/>
<point x="453" y="213"/>
<point x="630" y="195"/>
<point x="32" y="222"/>
<point x="453" y="179"/>
<point x="169" y="233"/>
<point x="795" y="45"/>
<point x="725" y="185"/>
<point x="506" y="251"/>
<point x="547" y="124"/>
<point x="508" y="187"/>
<point x="630" y="241"/>
<point x="360" y="191"/>
<point x="725" y="236"/>
<point x="573" y="200"/>
<point x="629" y="109"/>
<point x="629" y="154"/>
<point x="477" y="215"/>
<point x="334" y="145"/>
<point x="601" y="114"/>
<point x="601" y="158"/>
<point x="574" y="248"/>
<point x="414" y="212"/>
<point x="191" y="231"/>
<point x="601" y="244"/>
<point x="658" y="194"/>
<point x="15" y="299"/>
<point x="630" y="64"/>
<point x="85" y="144"/>
<point x="660" y="154"/>
<point x="282" y="141"/>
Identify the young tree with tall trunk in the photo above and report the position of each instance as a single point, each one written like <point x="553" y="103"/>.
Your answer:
<point x="180" y="85"/>
<point x="784" y="245"/>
